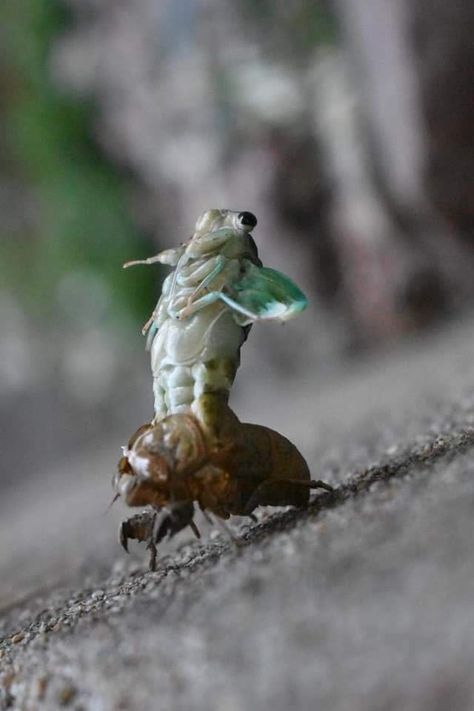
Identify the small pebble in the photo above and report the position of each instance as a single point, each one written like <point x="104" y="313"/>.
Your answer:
<point x="66" y="695"/>
<point x="41" y="685"/>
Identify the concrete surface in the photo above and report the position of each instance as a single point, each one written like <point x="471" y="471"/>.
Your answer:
<point x="363" y="602"/>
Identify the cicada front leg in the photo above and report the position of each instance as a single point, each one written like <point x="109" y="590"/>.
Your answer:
<point x="140" y="527"/>
<point x="204" y="276"/>
<point x="147" y="324"/>
<point x="194" y="305"/>
<point x="175" y="520"/>
<point x="144" y="527"/>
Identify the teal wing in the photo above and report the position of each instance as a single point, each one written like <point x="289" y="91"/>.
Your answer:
<point x="267" y="294"/>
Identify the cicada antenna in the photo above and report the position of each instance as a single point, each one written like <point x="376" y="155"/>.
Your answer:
<point x="116" y="496"/>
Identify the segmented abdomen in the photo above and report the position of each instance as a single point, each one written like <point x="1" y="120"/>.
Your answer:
<point x="193" y="356"/>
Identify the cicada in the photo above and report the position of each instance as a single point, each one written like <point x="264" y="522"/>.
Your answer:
<point x="217" y="290"/>
<point x="196" y="450"/>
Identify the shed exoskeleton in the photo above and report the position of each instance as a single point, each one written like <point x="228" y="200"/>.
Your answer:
<point x="211" y="459"/>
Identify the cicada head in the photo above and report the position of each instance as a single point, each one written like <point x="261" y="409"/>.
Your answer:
<point x="212" y="220"/>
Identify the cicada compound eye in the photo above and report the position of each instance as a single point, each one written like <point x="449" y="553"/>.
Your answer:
<point x="247" y="219"/>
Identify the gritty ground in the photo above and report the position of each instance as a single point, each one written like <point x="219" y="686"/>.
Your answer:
<point x="363" y="602"/>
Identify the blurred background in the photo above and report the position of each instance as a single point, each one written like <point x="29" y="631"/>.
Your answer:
<point x="346" y="126"/>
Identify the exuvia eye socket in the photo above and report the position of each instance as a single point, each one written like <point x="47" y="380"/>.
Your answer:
<point x="247" y="219"/>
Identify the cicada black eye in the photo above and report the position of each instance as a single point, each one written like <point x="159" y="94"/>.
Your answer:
<point x="247" y="219"/>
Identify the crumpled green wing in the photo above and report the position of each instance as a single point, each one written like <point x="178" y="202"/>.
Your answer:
<point x="266" y="294"/>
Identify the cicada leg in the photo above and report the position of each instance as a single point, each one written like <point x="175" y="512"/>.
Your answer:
<point x="178" y="517"/>
<point x="211" y="298"/>
<point x="140" y="527"/>
<point x="148" y="323"/>
<point x="205" y="275"/>
<point x="283" y="492"/>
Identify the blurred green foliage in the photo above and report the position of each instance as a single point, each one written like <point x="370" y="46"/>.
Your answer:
<point x="81" y="225"/>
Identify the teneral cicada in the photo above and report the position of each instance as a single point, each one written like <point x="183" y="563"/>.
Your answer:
<point x="217" y="289"/>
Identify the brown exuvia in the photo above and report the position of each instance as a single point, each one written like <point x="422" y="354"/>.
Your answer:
<point x="211" y="459"/>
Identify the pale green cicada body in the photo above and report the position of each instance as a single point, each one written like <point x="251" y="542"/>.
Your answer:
<point x="217" y="290"/>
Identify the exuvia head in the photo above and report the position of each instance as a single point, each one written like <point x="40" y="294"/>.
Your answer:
<point x="212" y="220"/>
<point x="141" y="480"/>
